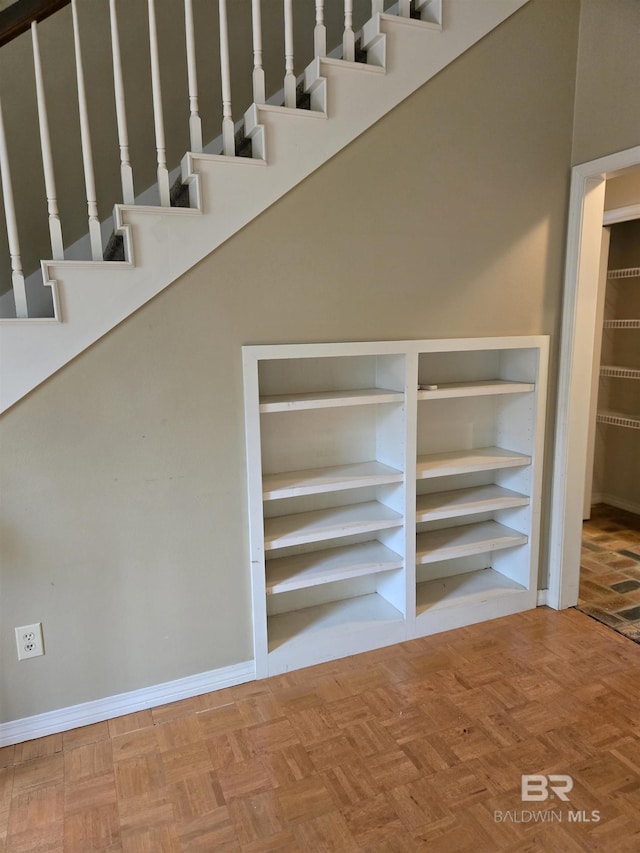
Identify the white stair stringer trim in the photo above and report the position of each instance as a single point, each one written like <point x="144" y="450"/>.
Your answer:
<point x="98" y="710"/>
<point x="95" y="297"/>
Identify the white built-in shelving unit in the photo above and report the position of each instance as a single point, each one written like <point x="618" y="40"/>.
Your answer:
<point x="394" y="490"/>
<point x="478" y="437"/>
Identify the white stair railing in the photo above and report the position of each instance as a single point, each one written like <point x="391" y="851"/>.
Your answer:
<point x="228" y="129"/>
<point x="95" y="235"/>
<point x="320" y="31"/>
<point x="126" y="172"/>
<point x="228" y="14"/>
<point x="259" y="87"/>
<point x="17" y="276"/>
<point x="55" y="227"/>
<point x="349" y="38"/>
<point x="195" y="124"/>
<point x="289" y="75"/>
<point x="158" y="114"/>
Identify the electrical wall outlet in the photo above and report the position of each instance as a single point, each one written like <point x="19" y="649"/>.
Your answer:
<point x="29" y="641"/>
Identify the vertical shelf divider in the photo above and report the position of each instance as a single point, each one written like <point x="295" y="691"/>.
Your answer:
<point x="411" y="453"/>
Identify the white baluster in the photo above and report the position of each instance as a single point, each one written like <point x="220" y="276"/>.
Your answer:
<point x="228" y="130"/>
<point x="55" y="228"/>
<point x="348" y="39"/>
<point x="404" y="8"/>
<point x="195" y="125"/>
<point x="377" y="6"/>
<point x="320" y="31"/>
<point x="126" y="172"/>
<point x="95" y="236"/>
<point x="17" y="276"/>
<point x="158" y="117"/>
<point x="289" y="76"/>
<point x="258" y="71"/>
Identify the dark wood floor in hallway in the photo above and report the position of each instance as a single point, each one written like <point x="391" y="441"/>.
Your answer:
<point x="610" y="569"/>
<point x="420" y="746"/>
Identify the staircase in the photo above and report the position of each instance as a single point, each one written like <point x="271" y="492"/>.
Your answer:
<point x="402" y="46"/>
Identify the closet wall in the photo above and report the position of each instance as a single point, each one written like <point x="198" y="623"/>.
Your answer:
<point x="617" y="447"/>
<point x="623" y="191"/>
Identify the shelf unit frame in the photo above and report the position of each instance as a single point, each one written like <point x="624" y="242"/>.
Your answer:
<point x="346" y="619"/>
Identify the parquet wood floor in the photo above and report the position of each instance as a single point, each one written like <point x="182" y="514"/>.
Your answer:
<point x="415" y="747"/>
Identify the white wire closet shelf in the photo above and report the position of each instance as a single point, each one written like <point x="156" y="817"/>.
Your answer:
<point x="629" y="272"/>
<point x="621" y="324"/>
<point x="619" y="371"/>
<point x="618" y="419"/>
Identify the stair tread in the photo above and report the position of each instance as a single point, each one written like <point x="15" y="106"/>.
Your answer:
<point x="345" y="63"/>
<point x="291" y="111"/>
<point x="410" y="22"/>
<point x="226" y="158"/>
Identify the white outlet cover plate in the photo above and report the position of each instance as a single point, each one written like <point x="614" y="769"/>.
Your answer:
<point x="29" y="641"/>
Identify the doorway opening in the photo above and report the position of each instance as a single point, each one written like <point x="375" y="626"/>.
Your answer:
<point x="577" y="364"/>
<point x="610" y="562"/>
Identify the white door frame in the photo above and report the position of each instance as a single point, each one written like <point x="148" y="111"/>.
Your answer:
<point x="586" y="208"/>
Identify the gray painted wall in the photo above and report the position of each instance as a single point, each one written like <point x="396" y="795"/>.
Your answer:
<point x="607" y="107"/>
<point x="124" y="501"/>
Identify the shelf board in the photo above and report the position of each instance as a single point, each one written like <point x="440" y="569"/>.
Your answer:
<point x="467" y="588"/>
<point x="468" y="461"/>
<point x="334" y="564"/>
<point x="329" y="399"/>
<point x="319" y="525"/>
<point x="621" y="324"/>
<point x="478" y="388"/>
<point x="629" y="272"/>
<point x="620" y="372"/>
<point x="306" y="626"/>
<point x="618" y="419"/>
<point x="466" y="502"/>
<point x="462" y="541"/>
<point x="315" y="481"/>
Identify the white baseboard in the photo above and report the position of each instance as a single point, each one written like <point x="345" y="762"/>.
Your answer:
<point x="542" y="597"/>
<point x="618" y="503"/>
<point x="98" y="710"/>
